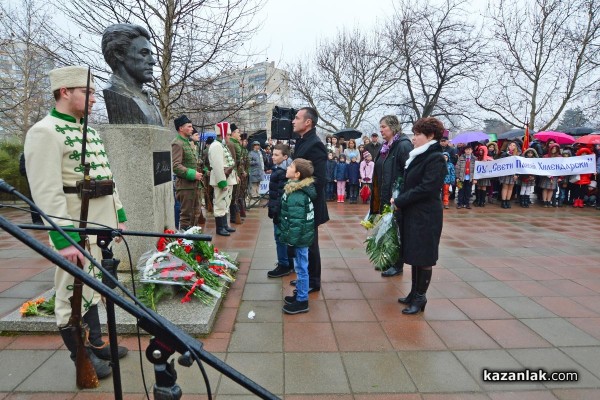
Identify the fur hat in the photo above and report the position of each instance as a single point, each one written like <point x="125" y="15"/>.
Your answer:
<point x="181" y="121"/>
<point x="532" y="150"/>
<point x="222" y="129"/>
<point x="233" y="127"/>
<point x="70" y="77"/>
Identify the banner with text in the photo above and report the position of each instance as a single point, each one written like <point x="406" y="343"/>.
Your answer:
<point x="555" y="166"/>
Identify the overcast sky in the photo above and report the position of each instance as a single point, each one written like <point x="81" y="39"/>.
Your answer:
<point x="292" y="28"/>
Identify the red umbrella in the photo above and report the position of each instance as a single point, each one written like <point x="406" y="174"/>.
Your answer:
<point x="589" y="139"/>
<point x="558" y="137"/>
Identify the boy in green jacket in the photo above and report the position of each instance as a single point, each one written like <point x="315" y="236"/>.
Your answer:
<point x="297" y="227"/>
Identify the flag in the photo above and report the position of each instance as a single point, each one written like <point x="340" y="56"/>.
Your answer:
<point x="526" y="138"/>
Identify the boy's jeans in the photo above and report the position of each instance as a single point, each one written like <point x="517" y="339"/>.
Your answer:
<point x="282" y="255"/>
<point x="301" y="268"/>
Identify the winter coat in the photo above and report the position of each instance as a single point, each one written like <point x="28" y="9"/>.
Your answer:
<point x="256" y="166"/>
<point x="450" y="178"/>
<point x="330" y="170"/>
<point x="420" y="205"/>
<point x="276" y="185"/>
<point x="452" y="153"/>
<point x="461" y="167"/>
<point x="373" y="148"/>
<point x="297" y="220"/>
<point x="584" y="179"/>
<point x="353" y="173"/>
<point x="387" y="171"/>
<point x="366" y="171"/>
<point x="341" y="171"/>
<point x="311" y="148"/>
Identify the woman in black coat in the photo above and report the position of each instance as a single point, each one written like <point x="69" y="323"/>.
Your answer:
<point x="389" y="166"/>
<point x="420" y="205"/>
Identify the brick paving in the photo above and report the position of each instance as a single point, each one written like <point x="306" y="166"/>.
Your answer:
<point x="513" y="289"/>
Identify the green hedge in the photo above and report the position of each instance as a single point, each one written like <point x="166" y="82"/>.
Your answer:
<point x="10" y="150"/>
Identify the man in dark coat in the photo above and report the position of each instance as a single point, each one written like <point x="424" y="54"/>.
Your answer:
<point x="374" y="146"/>
<point x="311" y="148"/>
<point x="389" y="167"/>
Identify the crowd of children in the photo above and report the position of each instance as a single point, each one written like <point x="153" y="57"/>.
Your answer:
<point x="551" y="191"/>
<point x="345" y="177"/>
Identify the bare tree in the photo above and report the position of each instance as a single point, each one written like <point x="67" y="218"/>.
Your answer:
<point x="545" y="56"/>
<point x="24" y="95"/>
<point x="437" y="52"/>
<point x="194" y="40"/>
<point x="345" y="80"/>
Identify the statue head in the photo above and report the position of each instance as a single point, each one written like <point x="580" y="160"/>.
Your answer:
<point x="127" y="50"/>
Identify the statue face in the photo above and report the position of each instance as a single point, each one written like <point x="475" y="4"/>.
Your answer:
<point x="139" y="61"/>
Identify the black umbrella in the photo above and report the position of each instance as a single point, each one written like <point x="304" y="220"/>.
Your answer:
<point x="513" y="134"/>
<point x="579" y="131"/>
<point x="348" y="133"/>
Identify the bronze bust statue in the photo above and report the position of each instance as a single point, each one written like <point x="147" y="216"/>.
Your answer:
<point x="127" y="50"/>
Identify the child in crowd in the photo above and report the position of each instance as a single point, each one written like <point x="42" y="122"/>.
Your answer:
<point x="563" y="183"/>
<point x="330" y="175"/>
<point x="528" y="182"/>
<point x="482" y="184"/>
<point x="353" y="179"/>
<point x="548" y="184"/>
<point x="341" y="176"/>
<point x="465" y="168"/>
<point x="366" y="171"/>
<point x="580" y="186"/>
<point x="450" y="179"/>
<point x="297" y="227"/>
<point x="591" y="196"/>
<point x="281" y="153"/>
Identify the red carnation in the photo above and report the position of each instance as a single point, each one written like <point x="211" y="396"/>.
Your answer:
<point x="188" y="249"/>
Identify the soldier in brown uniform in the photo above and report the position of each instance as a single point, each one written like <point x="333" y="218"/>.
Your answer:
<point x="185" y="165"/>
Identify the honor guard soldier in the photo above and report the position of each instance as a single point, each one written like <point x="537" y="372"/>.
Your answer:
<point x="53" y="148"/>
<point x="189" y="180"/>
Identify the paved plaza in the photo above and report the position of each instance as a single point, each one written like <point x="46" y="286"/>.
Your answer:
<point x="514" y="289"/>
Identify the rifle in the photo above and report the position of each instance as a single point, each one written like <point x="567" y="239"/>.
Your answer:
<point x="85" y="372"/>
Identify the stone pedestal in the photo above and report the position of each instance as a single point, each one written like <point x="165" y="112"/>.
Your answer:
<point x="135" y="153"/>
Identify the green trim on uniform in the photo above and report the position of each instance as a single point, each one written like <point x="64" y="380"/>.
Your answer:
<point x="59" y="241"/>
<point x="190" y="175"/>
<point x="222" y="184"/>
<point x="121" y="215"/>
<point x="64" y="117"/>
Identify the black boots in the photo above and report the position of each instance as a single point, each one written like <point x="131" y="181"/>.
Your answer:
<point x="393" y="270"/>
<point x="479" y="198"/>
<point x="226" y="225"/>
<point x="98" y="347"/>
<point x="419" y="300"/>
<point x="506" y="204"/>
<point x="524" y="201"/>
<point x="221" y="227"/>
<point x="413" y="287"/>
<point x="101" y="367"/>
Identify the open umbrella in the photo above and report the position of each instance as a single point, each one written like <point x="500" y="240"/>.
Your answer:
<point x="558" y="137"/>
<point x="468" y="137"/>
<point x="348" y="133"/>
<point x="589" y="139"/>
<point x="579" y="131"/>
<point x="512" y="134"/>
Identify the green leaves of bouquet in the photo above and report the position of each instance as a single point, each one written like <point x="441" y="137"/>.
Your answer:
<point x="383" y="244"/>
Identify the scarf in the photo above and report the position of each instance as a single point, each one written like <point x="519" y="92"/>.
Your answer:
<point x="385" y="149"/>
<point x="418" y="151"/>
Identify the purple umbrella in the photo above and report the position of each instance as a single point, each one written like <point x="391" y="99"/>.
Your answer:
<point x="468" y="137"/>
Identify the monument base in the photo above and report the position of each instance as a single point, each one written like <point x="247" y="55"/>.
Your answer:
<point x="140" y="157"/>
